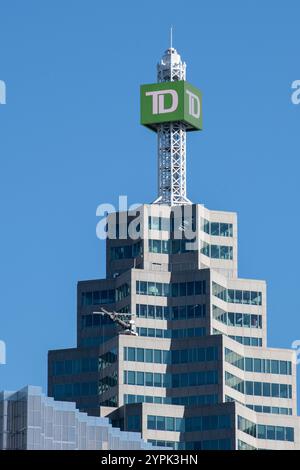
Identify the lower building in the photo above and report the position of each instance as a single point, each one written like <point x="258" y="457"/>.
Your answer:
<point x="31" y="421"/>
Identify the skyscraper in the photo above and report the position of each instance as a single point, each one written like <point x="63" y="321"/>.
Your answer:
<point x="192" y="370"/>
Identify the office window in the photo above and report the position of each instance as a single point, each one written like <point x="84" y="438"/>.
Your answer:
<point x="149" y="379"/>
<point x="140" y="354"/>
<point x="140" y="378"/>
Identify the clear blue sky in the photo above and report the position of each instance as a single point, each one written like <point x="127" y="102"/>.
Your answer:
<point x="65" y="147"/>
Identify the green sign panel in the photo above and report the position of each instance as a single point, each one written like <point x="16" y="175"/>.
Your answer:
<point x="171" y="101"/>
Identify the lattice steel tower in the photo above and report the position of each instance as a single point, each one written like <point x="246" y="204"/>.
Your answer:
<point x="171" y="140"/>
<point x="171" y="107"/>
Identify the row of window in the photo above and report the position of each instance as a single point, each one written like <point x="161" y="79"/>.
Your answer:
<point x="244" y="446"/>
<point x="171" y="247"/>
<point x="112" y="401"/>
<point x="182" y="312"/>
<point x="260" y="389"/>
<point x="246" y="340"/>
<point x="189" y="424"/>
<point x="192" y="400"/>
<point x="244" y="320"/>
<point x="218" y="229"/>
<point x="75" y="389"/>
<point x="177" y="356"/>
<point x="174" y="334"/>
<point x="107" y="382"/>
<point x="150" y="379"/>
<point x="261" y="431"/>
<point x="250" y="364"/>
<point x="217" y="251"/>
<point x="98" y="297"/>
<point x="172" y="224"/>
<point x="237" y="296"/>
<point x="75" y="366"/>
<point x="277" y="410"/>
<point x="107" y="359"/>
<point x="95" y="321"/>
<point x="176" y="289"/>
<point x="119" y="227"/>
<point x="211" y="444"/>
<point x="108" y="296"/>
<point x="126" y="251"/>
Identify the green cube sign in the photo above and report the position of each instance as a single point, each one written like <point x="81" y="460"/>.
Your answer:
<point x="169" y="102"/>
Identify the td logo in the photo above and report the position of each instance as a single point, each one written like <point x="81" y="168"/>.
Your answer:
<point x="158" y="101"/>
<point x="171" y="101"/>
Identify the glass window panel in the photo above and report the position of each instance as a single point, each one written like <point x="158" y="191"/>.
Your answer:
<point x="283" y="390"/>
<point x="238" y="299"/>
<point x="140" y="378"/>
<point x="198" y="287"/>
<point x="246" y="297"/>
<point x="160" y="423"/>
<point x="159" y="289"/>
<point x="239" y="319"/>
<point x="175" y="313"/>
<point x="289" y="434"/>
<point x="175" y="290"/>
<point x="157" y="380"/>
<point x="254" y="321"/>
<point x="166" y="290"/>
<point x="225" y="230"/>
<point x="275" y="390"/>
<point x="157" y="356"/>
<point x="215" y="251"/>
<point x="159" y="333"/>
<point x="159" y="312"/>
<point x="230" y="295"/>
<point x="257" y="365"/>
<point x="151" y="311"/>
<point x="261" y="431"/>
<point x="151" y="422"/>
<point x="274" y="367"/>
<point x="270" y="432"/>
<point x="246" y="320"/>
<point x="152" y="290"/>
<point x="176" y="246"/>
<point x="231" y="318"/>
<point x="131" y="377"/>
<point x="182" y="289"/>
<point x="249" y="388"/>
<point x="190" y="288"/>
<point x="140" y="354"/>
<point x="215" y="228"/>
<point x="166" y="311"/>
<point x="266" y="389"/>
<point x="142" y="311"/>
<point x="283" y="367"/>
<point x="256" y="298"/>
<point x="165" y="246"/>
<point x="258" y="388"/>
<point x="182" y="312"/>
<point x="170" y="424"/>
<point x="131" y="354"/>
<point x="148" y="355"/>
<point x="249" y="364"/>
<point x="149" y="379"/>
